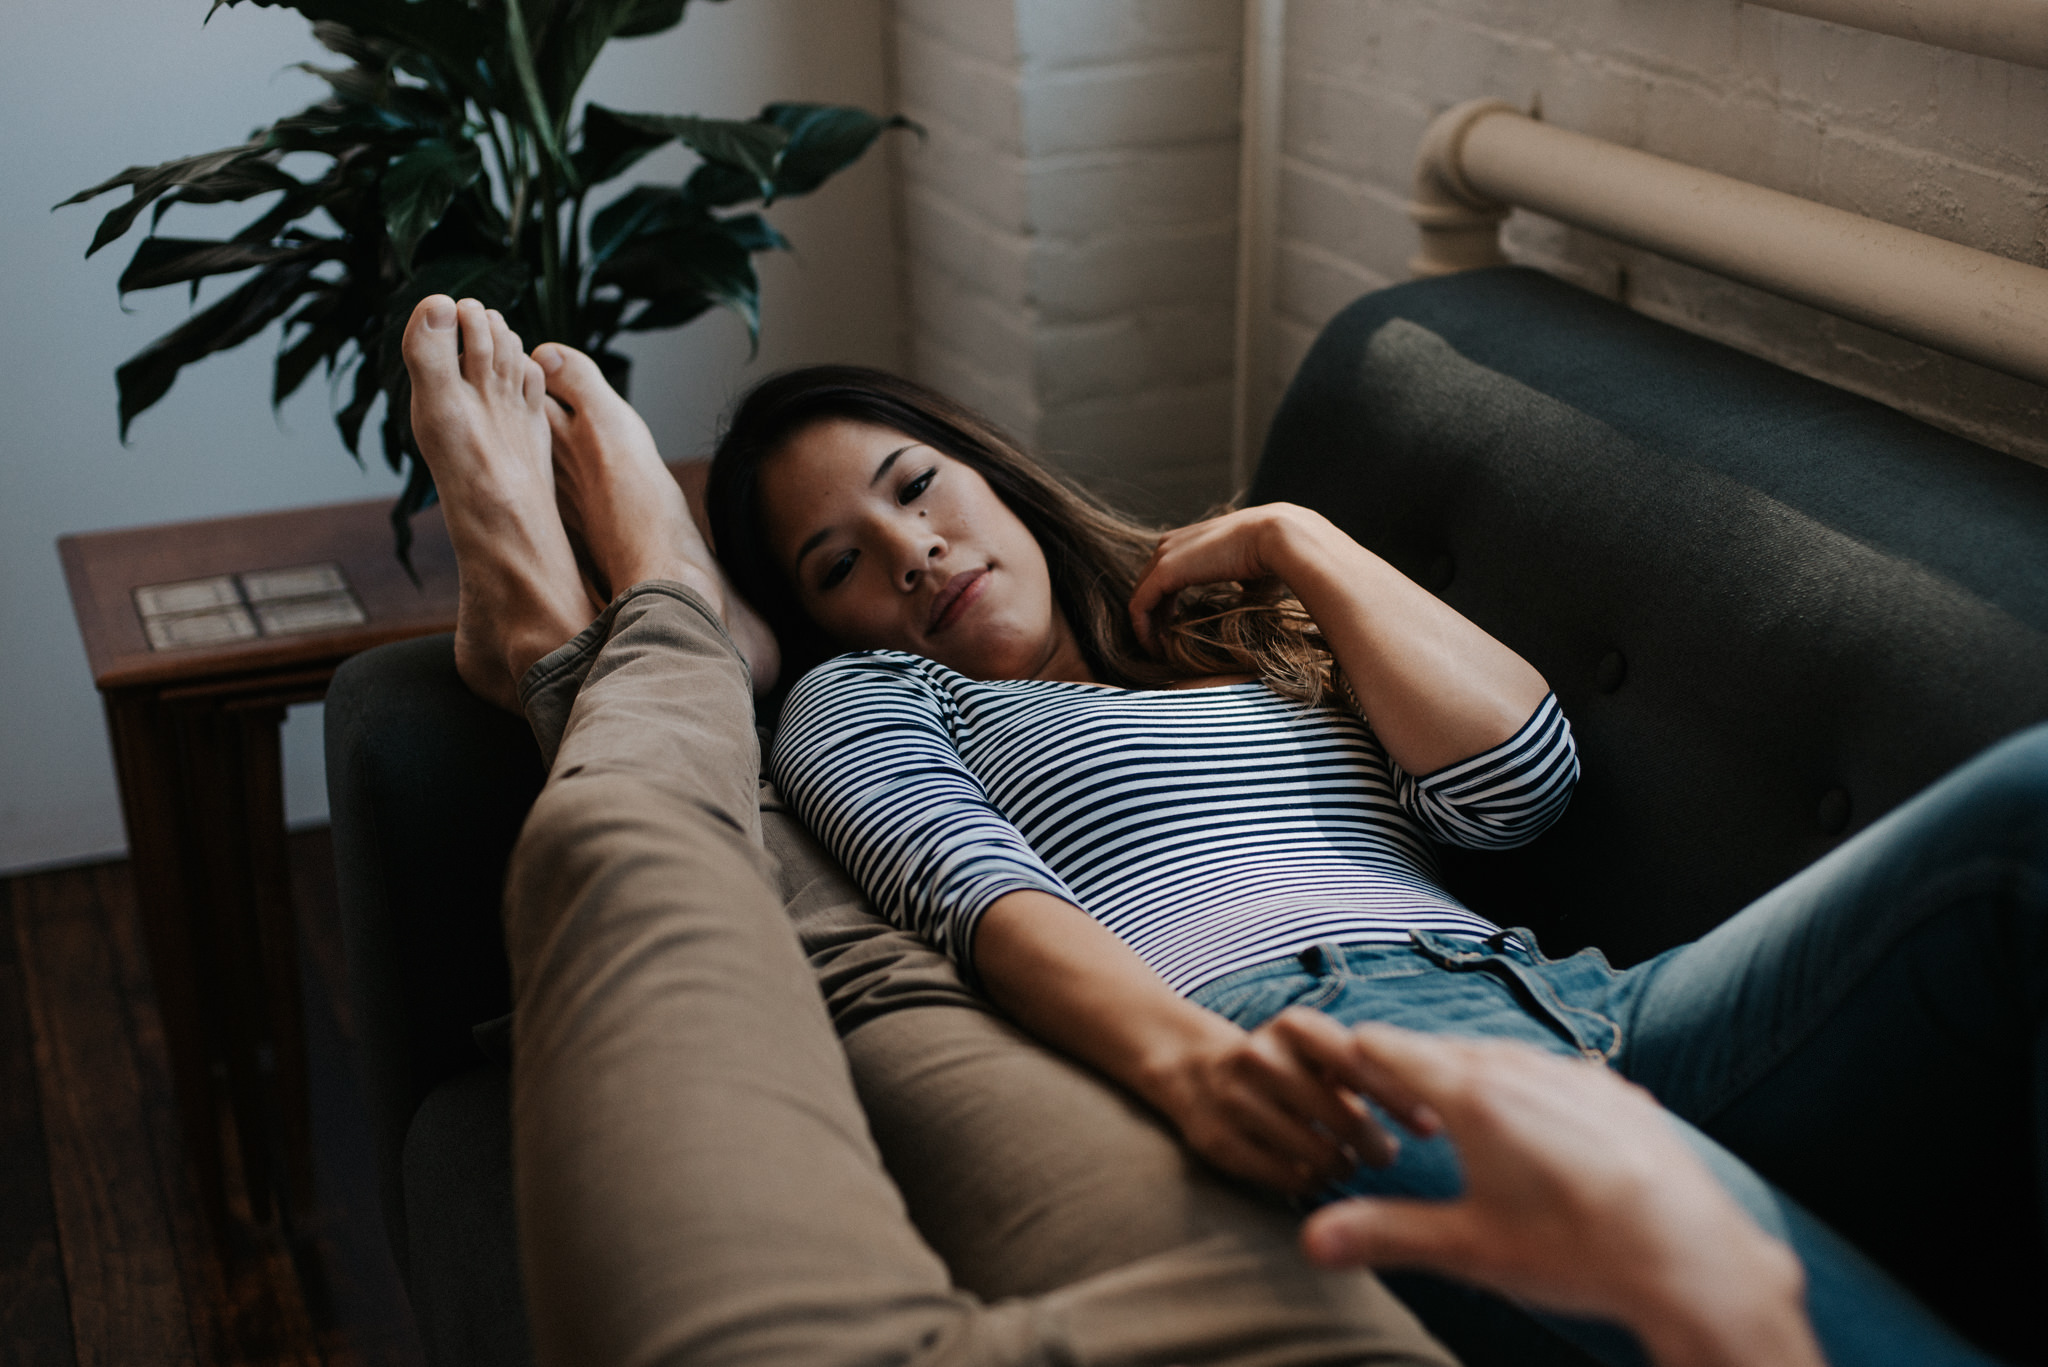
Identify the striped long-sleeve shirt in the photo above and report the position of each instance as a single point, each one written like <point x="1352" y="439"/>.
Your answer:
<point x="1211" y="829"/>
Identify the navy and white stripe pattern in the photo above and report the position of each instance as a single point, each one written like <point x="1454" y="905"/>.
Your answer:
<point x="1211" y="829"/>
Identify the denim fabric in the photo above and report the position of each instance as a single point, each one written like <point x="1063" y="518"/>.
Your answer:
<point x="1862" y="1046"/>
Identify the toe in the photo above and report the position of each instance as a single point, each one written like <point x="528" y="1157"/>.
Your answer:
<point x="533" y="386"/>
<point x="429" y="345"/>
<point x="574" y="378"/>
<point x="507" y="354"/>
<point x="477" y="347"/>
<point x="560" y="420"/>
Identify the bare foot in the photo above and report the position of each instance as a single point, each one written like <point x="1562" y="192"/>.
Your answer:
<point x="629" y="509"/>
<point x="478" y="417"/>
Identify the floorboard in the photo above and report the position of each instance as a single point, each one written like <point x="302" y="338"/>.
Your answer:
<point x="103" y="1258"/>
<point x="120" y="1261"/>
<point x="35" y="1317"/>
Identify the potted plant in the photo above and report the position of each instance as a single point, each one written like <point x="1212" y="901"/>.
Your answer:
<point x="454" y="162"/>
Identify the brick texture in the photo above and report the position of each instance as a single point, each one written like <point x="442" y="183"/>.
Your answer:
<point x="1940" y="142"/>
<point x="1070" y="229"/>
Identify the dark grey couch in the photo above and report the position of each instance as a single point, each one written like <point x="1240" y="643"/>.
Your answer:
<point x="1772" y="611"/>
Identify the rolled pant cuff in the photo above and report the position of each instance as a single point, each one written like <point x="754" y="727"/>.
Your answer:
<point x="548" y="690"/>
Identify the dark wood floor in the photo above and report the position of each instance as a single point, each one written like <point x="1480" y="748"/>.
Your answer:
<point x="102" y="1259"/>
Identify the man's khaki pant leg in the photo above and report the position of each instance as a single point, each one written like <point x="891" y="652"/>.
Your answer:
<point x="696" y="1181"/>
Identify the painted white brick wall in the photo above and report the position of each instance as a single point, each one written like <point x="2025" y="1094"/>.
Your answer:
<point x="1070" y="228"/>
<point x="1944" y="143"/>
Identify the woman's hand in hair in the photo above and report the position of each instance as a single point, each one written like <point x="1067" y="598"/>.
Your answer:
<point x="1437" y="688"/>
<point x="1243" y="546"/>
<point x="1268" y="1104"/>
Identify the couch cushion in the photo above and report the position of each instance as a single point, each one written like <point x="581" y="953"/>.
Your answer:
<point x="428" y="787"/>
<point x="464" y="1242"/>
<point x="1772" y="610"/>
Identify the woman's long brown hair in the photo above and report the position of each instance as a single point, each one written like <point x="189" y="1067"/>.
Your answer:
<point x="1093" y="553"/>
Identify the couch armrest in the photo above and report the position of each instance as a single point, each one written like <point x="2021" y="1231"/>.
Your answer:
<point x="1772" y="610"/>
<point x="428" y="787"/>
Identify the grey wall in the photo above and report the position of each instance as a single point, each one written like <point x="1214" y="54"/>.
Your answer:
<point x="89" y="86"/>
<point x="1070" y="229"/>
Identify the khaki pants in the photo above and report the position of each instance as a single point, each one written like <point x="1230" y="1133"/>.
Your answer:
<point x="707" y="1172"/>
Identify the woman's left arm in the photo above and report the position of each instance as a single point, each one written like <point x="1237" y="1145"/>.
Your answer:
<point x="1436" y="688"/>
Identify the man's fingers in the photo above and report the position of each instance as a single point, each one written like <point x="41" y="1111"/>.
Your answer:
<point x="1317" y="1052"/>
<point x="1416" y="1076"/>
<point x="1375" y="1232"/>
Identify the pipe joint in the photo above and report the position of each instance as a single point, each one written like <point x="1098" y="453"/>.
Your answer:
<point x="1459" y="226"/>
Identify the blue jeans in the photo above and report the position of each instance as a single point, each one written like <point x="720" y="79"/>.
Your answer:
<point x="1858" y="1055"/>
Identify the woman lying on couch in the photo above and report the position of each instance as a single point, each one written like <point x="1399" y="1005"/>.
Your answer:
<point x="882" y="518"/>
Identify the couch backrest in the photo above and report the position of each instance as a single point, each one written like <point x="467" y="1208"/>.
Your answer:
<point x="1772" y="610"/>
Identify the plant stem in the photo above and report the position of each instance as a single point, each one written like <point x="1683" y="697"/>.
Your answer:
<point x="497" y="146"/>
<point x="551" y="301"/>
<point x="523" y="181"/>
<point x="574" y="272"/>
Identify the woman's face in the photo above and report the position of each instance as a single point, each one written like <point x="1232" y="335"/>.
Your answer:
<point x="894" y="545"/>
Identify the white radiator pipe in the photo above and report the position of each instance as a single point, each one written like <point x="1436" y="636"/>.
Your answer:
<point x="1479" y="158"/>
<point x="2011" y="30"/>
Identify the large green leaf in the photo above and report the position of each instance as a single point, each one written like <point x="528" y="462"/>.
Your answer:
<point x="578" y="32"/>
<point x="348" y="419"/>
<point x="376" y="53"/>
<point x="670" y="309"/>
<point x="643" y="17"/>
<point x="340" y="129"/>
<point x="642" y="209"/>
<point x="172" y="260"/>
<point x="495" y="281"/>
<point x="609" y="145"/>
<point x="754" y="233"/>
<point x="330" y="321"/>
<point x="747" y="145"/>
<point x="146" y="376"/>
<point x="237" y="181"/>
<point x="716" y="185"/>
<point x="824" y="139"/>
<point x="351" y="84"/>
<point x="292" y="204"/>
<point x="672" y="270"/>
<point x="147" y="182"/>
<point x="453" y="34"/>
<point x="541" y="120"/>
<point x="419" y="187"/>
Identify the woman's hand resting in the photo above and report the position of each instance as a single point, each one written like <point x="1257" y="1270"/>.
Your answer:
<point x="1271" y="1104"/>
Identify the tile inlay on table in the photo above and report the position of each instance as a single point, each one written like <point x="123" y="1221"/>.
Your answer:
<point x="240" y="607"/>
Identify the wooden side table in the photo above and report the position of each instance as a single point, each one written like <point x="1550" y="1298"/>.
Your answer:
<point x="194" y="722"/>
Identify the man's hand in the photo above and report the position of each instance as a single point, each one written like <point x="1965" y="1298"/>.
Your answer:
<point x="1269" y="1104"/>
<point x="1580" y="1196"/>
